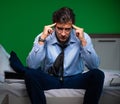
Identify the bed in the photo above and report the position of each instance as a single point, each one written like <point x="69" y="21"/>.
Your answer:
<point x="16" y="91"/>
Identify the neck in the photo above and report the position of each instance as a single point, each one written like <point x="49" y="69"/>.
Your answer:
<point x="63" y="43"/>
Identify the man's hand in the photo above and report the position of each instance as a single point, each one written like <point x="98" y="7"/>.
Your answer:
<point x="47" y="31"/>
<point x="80" y="34"/>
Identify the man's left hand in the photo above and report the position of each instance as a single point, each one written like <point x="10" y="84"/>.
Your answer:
<point x="80" y="34"/>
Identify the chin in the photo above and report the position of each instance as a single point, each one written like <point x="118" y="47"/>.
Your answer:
<point x="62" y="41"/>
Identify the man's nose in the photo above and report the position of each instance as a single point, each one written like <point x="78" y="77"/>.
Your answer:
<point x="63" y="33"/>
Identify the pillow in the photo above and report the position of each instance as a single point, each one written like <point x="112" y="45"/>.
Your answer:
<point x="4" y="63"/>
<point x="115" y="82"/>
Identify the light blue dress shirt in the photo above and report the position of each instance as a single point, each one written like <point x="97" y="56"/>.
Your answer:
<point x="76" y="57"/>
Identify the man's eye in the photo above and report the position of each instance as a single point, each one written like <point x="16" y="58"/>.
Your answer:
<point x="60" y="28"/>
<point x="67" y="29"/>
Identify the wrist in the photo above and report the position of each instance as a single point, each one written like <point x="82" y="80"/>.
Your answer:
<point x="84" y="42"/>
<point x="41" y="39"/>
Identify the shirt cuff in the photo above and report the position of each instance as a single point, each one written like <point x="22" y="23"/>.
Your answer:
<point x="38" y="47"/>
<point x="85" y="50"/>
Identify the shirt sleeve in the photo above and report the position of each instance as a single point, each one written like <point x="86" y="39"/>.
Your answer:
<point x="89" y="54"/>
<point x="36" y="55"/>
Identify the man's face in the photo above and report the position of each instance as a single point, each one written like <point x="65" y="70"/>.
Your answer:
<point x="63" y="31"/>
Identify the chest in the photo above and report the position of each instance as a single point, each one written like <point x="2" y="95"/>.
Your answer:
<point x="71" y="51"/>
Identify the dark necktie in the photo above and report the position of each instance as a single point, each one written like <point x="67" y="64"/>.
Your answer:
<point x="58" y="66"/>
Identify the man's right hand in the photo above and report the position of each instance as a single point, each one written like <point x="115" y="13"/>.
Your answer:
<point x="47" y="31"/>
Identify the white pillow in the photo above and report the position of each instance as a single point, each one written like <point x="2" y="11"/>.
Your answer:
<point x="4" y="63"/>
<point x="115" y="81"/>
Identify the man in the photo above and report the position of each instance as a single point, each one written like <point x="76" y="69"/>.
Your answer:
<point x="58" y="58"/>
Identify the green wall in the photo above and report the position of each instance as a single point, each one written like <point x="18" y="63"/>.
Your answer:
<point x="22" y="20"/>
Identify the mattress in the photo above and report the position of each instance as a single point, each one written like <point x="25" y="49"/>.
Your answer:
<point x="17" y="92"/>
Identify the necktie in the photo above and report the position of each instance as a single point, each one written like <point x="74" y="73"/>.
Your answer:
<point x="58" y="66"/>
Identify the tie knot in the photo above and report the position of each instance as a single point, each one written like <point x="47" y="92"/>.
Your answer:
<point x="63" y="46"/>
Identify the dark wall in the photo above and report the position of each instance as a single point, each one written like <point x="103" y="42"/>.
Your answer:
<point x="22" y="20"/>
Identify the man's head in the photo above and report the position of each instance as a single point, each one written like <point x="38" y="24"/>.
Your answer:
<point x="64" y="18"/>
<point x="64" y="15"/>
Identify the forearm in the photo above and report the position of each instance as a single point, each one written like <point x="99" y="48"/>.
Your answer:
<point x="90" y="57"/>
<point x="36" y="56"/>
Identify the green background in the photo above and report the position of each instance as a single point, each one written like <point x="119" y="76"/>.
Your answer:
<point x="22" y="20"/>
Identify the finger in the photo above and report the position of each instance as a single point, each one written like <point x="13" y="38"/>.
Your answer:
<point x="75" y="27"/>
<point x="52" y="25"/>
<point x="50" y="31"/>
<point x="50" y="28"/>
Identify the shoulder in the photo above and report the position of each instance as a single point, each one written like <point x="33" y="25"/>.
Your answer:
<point x="36" y="38"/>
<point x="86" y="35"/>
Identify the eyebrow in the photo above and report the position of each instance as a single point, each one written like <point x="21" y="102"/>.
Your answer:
<point x="63" y="28"/>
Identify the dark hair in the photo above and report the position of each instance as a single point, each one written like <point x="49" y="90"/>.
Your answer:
<point x="63" y="15"/>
